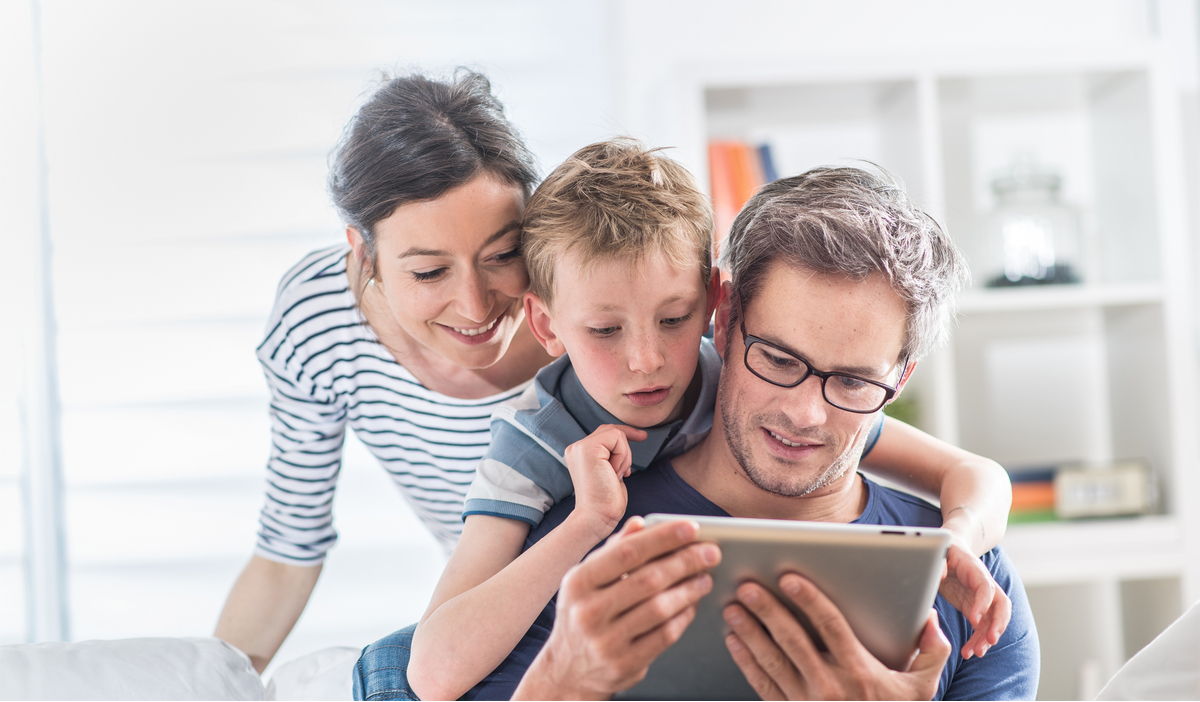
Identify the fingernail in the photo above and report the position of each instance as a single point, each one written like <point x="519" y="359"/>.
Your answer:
<point x="686" y="530"/>
<point x="733" y="616"/>
<point x="790" y="585"/>
<point x="749" y="595"/>
<point x="733" y="643"/>
<point x="705" y="583"/>
<point x="986" y="648"/>
<point x="710" y="554"/>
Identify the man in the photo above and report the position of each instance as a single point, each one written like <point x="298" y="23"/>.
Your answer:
<point x="838" y="286"/>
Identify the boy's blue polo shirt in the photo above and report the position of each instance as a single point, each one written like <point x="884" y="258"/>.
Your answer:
<point x="524" y="473"/>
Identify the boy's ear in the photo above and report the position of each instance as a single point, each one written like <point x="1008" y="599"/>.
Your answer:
<point x="542" y="325"/>
<point x="721" y="320"/>
<point x="714" y="294"/>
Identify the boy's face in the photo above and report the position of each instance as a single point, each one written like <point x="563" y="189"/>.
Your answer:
<point x="632" y="330"/>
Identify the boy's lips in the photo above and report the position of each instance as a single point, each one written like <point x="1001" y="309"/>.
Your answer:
<point x="649" y="396"/>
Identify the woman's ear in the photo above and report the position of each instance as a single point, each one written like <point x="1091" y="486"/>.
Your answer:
<point x="542" y="324"/>
<point x="721" y="320"/>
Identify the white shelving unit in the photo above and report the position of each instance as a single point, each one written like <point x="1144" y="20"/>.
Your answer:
<point x="1101" y="370"/>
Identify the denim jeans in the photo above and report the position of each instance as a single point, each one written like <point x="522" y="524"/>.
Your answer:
<point x="382" y="670"/>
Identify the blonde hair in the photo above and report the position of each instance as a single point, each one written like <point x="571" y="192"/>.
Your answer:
<point x="613" y="199"/>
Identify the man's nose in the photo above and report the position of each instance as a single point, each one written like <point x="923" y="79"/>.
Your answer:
<point x="805" y="404"/>
<point x="645" y="355"/>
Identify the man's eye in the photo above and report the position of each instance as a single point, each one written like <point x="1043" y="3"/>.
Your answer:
<point x="849" y="383"/>
<point x="425" y="276"/>
<point x="602" y="331"/>
<point x="781" y="361"/>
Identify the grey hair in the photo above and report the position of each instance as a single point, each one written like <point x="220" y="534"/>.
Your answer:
<point x="857" y="223"/>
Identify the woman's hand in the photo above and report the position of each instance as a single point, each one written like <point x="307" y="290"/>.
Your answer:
<point x="599" y="464"/>
<point x="968" y="585"/>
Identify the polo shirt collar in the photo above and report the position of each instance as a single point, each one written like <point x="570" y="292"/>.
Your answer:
<point x="590" y="416"/>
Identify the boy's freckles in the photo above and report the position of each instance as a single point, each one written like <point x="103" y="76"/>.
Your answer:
<point x="632" y="329"/>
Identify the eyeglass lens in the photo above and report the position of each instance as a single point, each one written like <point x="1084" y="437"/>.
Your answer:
<point x="784" y="369"/>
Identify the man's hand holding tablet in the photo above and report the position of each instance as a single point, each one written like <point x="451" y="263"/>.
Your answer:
<point x="625" y="604"/>
<point x="781" y="662"/>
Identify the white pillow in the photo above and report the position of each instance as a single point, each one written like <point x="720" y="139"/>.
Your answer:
<point x="128" y="669"/>
<point x="1168" y="668"/>
<point x="321" y="675"/>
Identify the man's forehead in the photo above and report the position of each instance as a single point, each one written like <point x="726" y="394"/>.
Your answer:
<point x="832" y="319"/>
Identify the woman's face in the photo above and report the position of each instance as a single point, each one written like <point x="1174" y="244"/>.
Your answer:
<point x="451" y="272"/>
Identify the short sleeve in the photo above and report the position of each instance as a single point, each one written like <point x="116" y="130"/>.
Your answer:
<point x="520" y="477"/>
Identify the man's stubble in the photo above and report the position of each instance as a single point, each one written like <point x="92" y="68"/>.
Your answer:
<point x="789" y="483"/>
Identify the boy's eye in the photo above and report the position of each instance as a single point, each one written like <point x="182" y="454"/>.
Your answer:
<point x="676" y="321"/>
<point x="426" y="276"/>
<point x="602" y="331"/>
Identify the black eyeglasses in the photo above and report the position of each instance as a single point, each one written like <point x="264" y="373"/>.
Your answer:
<point x="787" y="370"/>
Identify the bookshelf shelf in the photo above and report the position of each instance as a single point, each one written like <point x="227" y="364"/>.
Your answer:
<point x="1060" y="297"/>
<point x="1053" y="553"/>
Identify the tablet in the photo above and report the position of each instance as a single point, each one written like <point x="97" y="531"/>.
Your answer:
<point x="883" y="578"/>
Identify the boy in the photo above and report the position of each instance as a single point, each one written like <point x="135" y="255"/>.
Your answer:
<point x="617" y="241"/>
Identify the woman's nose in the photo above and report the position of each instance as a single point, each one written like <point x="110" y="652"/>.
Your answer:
<point x="473" y="297"/>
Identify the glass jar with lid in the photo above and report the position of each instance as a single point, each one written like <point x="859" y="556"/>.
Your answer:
<point x="1033" y="237"/>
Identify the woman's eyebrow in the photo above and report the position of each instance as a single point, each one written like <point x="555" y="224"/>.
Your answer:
<point x="418" y="251"/>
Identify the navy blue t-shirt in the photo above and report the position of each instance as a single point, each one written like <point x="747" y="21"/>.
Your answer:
<point x="1008" y="671"/>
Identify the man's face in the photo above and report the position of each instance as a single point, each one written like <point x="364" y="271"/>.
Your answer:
<point x="790" y="441"/>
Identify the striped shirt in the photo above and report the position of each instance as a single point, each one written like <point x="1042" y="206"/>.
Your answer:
<point x="326" y="370"/>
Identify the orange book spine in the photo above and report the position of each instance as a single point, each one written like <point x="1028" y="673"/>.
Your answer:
<point x="1032" y="496"/>
<point x="721" y="183"/>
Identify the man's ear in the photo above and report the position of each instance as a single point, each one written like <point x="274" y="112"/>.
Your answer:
<point x="542" y="325"/>
<point x="908" y="371"/>
<point x="723" y="291"/>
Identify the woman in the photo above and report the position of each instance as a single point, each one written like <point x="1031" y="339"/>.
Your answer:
<point x="411" y="334"/>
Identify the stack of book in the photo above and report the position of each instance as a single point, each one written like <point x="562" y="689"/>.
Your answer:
<point x="1081" y="490"/>
<point x="1033" y="495"/>
<point x="736" y="169"/>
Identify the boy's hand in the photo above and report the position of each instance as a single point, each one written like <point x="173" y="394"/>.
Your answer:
<point x="598" y="465"/>
<point x="968" y="585"/>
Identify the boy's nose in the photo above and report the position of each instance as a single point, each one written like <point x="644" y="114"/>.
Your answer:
<point x="645" y="355"/>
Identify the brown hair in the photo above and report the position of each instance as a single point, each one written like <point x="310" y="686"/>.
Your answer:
<point x="611" y="199"/>
<point x="416" y="138"/>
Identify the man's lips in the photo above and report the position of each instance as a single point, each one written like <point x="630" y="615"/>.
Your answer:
<point x="790" y="443"/>
<point x="648" y="397"/>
